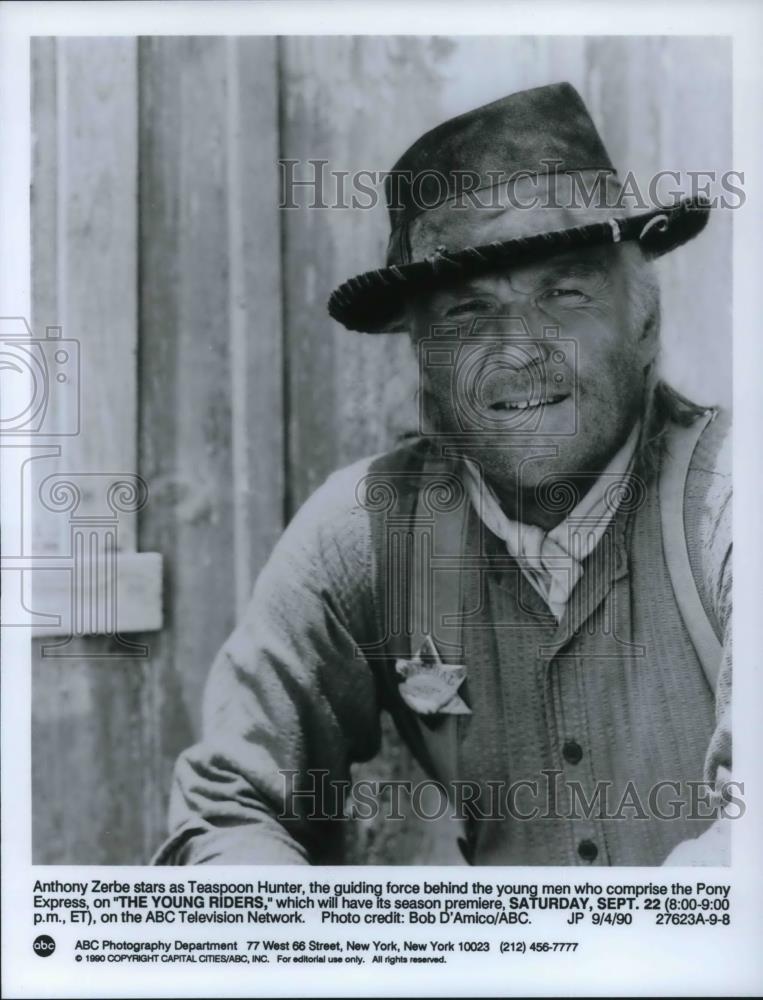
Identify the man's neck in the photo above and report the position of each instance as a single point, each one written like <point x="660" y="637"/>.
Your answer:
<point x="526" y="507"/>
<point x="560" y="494"/>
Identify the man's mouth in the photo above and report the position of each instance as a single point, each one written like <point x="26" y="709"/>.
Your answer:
<point x="528" y="404"/>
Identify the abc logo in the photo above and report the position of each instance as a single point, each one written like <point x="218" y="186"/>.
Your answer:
<point x="44" y="945"/>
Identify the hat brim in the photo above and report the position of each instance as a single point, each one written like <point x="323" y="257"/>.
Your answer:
<point x="372" y="302"/>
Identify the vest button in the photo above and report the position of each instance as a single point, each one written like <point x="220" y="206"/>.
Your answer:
<point x="572" y="752"/>
<point x="587" y="850"/>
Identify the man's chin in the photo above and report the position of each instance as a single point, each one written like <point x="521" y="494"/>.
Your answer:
<point x="526" y="461"/>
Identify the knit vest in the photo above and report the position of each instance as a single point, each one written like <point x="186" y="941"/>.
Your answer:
<point x="586" y="738"/>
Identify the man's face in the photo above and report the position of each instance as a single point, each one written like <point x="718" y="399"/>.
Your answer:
<point x="547" y="364"/>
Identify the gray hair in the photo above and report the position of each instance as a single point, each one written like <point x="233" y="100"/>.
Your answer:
<point x="662" y="404"/>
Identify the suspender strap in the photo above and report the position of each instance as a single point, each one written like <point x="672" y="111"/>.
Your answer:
<point x="439" y="529"/>
<point x="418" y="514"/>
<point x="436" y="594"/>
<point x="680" y="447"/>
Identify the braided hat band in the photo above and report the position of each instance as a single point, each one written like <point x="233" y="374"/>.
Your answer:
<point x="370" y="302"/>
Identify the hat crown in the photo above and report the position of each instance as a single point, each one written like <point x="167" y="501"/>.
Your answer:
<point x="541" y="135"/>
<point x="543" y="130"/>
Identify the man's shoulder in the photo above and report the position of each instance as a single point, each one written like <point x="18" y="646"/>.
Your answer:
<point x="712" y="456"/>
<point x="707" y="515"/>
<point x="335" y="523"/>
<point x="708" y="481"/>
<point x="401" y="464"/>
<point x="328" y="546"/>
<point x="370" y="485"/>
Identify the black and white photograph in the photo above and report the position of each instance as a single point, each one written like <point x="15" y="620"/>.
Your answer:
<point x="542" y="421"/>
<point x="371" y="433"/>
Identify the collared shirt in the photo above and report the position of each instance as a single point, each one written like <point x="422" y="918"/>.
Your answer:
<point x="552" y="561"/>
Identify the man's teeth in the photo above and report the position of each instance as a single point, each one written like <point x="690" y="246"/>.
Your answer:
<point x="520" y="406"/>
<point x="526" y="403"/>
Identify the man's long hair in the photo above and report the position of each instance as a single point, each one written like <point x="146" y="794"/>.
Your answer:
<point x="662" y="404"/>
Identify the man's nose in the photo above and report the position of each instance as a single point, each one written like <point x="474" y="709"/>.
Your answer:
<point x="520" y="339"/>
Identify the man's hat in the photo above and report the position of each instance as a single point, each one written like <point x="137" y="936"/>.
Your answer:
<point x="464" y="184"/>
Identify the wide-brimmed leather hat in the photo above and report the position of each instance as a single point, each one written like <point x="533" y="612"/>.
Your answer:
<point x="453" y="195"/>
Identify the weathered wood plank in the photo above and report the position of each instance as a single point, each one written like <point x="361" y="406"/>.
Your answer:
<point x="256" y="325"/>
<point x="47" y="533"/>
<point x="88" y="761"/>
<point x="97" y="241"/>
<point x="211" y="417"/>
<point x="44" y="190"/>
<point x="86" y="769"/>
<point x="185" y="418"/>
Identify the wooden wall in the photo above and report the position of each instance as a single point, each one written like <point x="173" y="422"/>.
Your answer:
<point x="210" y="366"/>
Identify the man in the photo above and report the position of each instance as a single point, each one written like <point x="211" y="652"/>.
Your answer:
<point x="538" y="589"/>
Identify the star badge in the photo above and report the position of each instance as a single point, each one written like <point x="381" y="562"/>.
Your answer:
<point x="430" y="686"/>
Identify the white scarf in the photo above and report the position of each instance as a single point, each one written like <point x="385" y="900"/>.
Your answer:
<point x="552" y="561"/>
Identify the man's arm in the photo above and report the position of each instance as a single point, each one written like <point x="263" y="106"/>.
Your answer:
<point x="709" y="534"/>
<point x="287" y="693"/>
<point x="716" y="547"/>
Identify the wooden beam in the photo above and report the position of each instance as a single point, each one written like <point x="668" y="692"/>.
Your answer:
<point x="112" y="594"/>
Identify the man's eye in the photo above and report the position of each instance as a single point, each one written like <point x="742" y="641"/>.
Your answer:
<point x="570" y="294"/>
<point x="468" y="308"/>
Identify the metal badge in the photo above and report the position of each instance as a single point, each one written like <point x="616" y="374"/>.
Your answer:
<point x="429" y="685"/>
